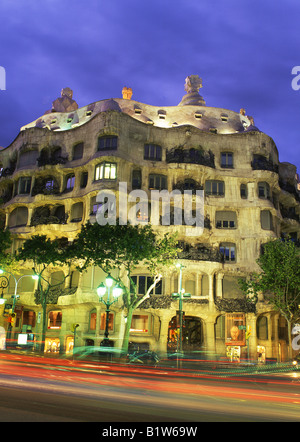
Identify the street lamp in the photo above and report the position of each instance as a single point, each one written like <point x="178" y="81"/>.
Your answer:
<point x="15" y="296"/>
<point x="180" y="295"/>
<point x="116" y="292"/>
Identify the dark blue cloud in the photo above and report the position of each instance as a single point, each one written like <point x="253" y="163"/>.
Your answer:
<point x="244" y="52"/>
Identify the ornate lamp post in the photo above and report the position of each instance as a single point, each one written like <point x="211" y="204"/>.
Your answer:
<point x="180" y="295"/>
<point x="15" y="296"/>
<point x="116" y="292"/>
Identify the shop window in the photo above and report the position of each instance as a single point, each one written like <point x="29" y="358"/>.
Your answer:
<point x="214" y="188"/>
<point x="227" y="160"/>
<point x="107" y="143"/>
<point x="52" y="345"/>
<point x="29" y="318"/>
<point x="106" y="171"/>
<point x="54" y="319"/>
<point x="110" y="321"/>
<point x="140" y="323"/>
<point x="228" y="251"/>
<point x="157" y="182"/>
<point x="152" y="152"/>
<point x="226" y="219"/>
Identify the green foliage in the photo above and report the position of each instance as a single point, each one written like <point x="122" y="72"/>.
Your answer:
<point x="113" y="246"/>
<point x="125" y="247"/>
<point x="7" y="261"/>
<point x="279" y="278"/>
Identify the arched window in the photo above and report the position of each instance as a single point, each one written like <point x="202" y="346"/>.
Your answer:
<point x="55" y="319"/>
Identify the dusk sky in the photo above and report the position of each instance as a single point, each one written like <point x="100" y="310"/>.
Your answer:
<point x="244" y="51"/>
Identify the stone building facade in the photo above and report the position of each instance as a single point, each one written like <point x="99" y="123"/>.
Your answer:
<point x="51" y="175"/>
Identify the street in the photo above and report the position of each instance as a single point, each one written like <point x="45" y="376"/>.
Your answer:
<point x="43" y="390"/>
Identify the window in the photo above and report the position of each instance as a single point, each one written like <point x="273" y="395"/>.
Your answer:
<point x="226" y="220"/>
<point x="55" y="319"/>
<point x="214" y="188"/>
<point x="74" y="279"/>
<point x="143" y="283"/>
<point x="152" y="152"/>
<point x="220" y="327"/>
<point x="93" y="320"/>
<point x="18" y="217"/>
<point x="266" y="220"/>
<point x="136" y="179"/>
<point x="29" y="318"/>
<point x="262" y="327"/>
<point x="76" y="212"/>
<point x="49" y="185"/>
<point x="140" y="323"/>
<point x="227" y="160"/>
<point x="263" y="190"/>
<point x="70" y="182"/>
<point x="228" y="252"/>
<point x="108" y="143"/>
<point x="106" y="171"/>
<point x="83" y="180"/>
<point x="24" y="185"/>
<point x="58" y="279"/>
<point x="244" y="191"/>
<point x="231" y="288"/>
<point x="95" y="206"/>
<point x="77" y="151"/>
<point x="157" y="182"/>
<point x="28" y="158"/>
<point x="110" y="321"/>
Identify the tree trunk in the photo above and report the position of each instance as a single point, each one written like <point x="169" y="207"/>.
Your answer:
<point x="127" y="329"/>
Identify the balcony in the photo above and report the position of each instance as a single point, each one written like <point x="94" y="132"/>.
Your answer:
<point x="261" y="163"/>
<point x="200" y="252"/>
<point x="191" y="156"/>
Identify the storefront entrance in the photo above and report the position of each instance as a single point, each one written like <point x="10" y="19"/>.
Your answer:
<point x="192" y="334"/>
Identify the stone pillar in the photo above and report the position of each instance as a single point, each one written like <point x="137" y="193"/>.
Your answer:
<point x="163" y="338"/>
<point x="97" y="331"/>
<point x="251" y="322"/>
<point x="219" y="285"/>
<point x="210" y="335"/>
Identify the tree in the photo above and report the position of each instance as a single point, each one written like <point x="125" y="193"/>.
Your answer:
<point x="279" y="280"/>
<point x="45" y="254"/>
<point x="125" y="247"/>
<point x="7" y="260"/>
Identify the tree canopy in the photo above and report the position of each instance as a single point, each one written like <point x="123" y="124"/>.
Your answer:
<point x="125" y="247"/>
